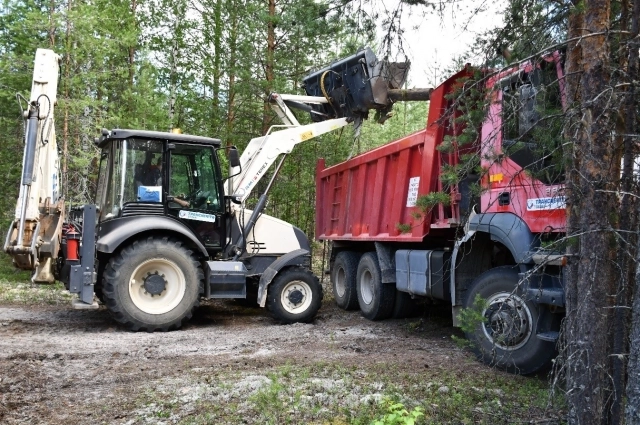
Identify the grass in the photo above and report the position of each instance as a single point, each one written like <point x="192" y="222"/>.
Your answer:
<point x="332" y="393"/>
<point x="16" y="287"/>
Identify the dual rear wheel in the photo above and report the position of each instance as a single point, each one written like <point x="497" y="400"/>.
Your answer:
<point x="505" y="335"/>
<point x="357" y="283"/>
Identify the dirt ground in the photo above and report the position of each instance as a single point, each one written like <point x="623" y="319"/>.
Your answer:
<point x="59" y="365"/>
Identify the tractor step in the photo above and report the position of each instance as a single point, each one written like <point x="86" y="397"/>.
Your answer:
<point x="79" y="305"/>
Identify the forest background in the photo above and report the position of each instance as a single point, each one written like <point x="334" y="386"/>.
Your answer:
<point x="206" y="66"/>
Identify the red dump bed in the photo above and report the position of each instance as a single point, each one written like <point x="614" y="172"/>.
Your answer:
<point x="366" y="197"/>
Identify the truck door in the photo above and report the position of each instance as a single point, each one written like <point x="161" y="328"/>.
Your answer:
<point x="194" y="177"/>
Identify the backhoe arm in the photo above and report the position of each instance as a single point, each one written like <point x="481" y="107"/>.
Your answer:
<point x="33" y="239"/>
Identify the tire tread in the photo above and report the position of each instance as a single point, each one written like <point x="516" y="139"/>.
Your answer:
<point x="112" y="275"/>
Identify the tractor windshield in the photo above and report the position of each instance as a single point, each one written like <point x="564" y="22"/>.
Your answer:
<point x="130" y="171"/>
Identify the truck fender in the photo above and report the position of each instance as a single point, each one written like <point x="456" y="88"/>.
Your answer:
<point x="508" y="229"/>
<point x="505" y="228"/>
<point x="288" y="259"/>
<point x="115" y="232"/>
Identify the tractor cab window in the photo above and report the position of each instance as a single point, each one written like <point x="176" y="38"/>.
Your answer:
<point x="532" y="122"/>
<point x="194" y="178"/>
<point x="130" y="172"/>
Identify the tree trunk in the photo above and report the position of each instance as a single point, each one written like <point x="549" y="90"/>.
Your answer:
<point x="132" y="49"/>
<point x="233" y="46"/>
<point x="52" y="24"/>
<point x="589" y="287"/>
<point x="269" y="62"/>
<point x="628" y="223"/>
<point x="217" y="64"/>
<point x="632" y="413"/>
<point x="172" y="89"/>
<point x="64" y="181"/>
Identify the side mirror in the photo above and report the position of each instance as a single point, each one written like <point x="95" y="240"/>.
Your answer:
<point x="234" y="158"/>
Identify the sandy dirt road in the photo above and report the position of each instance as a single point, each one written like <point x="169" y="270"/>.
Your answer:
<point x="59" y="365"/>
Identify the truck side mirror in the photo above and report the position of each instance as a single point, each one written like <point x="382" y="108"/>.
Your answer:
<point x="234" y="158"/>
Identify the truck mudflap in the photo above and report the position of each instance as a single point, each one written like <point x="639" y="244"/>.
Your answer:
<point x="288" y="259"/>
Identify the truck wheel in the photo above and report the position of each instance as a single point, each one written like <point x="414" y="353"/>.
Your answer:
<point x="376" y="299"/>
<point x="152" y="285"/>
<point x="343" y="279"/>
<point x="506" y="337"/>
<point x="294" y="296"/>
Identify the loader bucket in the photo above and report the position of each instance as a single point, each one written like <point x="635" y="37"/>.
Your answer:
<point x="355" y="85"/>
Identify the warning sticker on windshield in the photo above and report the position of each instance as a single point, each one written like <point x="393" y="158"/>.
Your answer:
<point x="553" y="203"/>
<point x="192" y="215"/>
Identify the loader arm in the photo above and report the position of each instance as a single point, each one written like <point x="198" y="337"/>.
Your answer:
<point x="33" y="239"/>
<point x="262" y="152"/>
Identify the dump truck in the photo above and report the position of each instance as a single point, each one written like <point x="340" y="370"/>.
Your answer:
<point x="487" y="243"/>
<point x="169" y="226"/>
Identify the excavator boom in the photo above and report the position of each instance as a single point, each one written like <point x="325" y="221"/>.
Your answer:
<point x="33" y="239"/>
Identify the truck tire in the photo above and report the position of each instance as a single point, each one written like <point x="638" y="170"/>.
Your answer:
<point x="343" y="279"/>
<point x="152" y="285"/>
<point x="294" y="296"/>
<point x="506" y="338"/>
<point x="376" y="299"/>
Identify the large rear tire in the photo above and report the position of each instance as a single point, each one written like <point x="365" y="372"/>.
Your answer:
<point x="506" y="337"/>
<point x="343" y="279"/>
<point x="376" y="299"/>
<point x="152" y="285"/>
<point x="294" y="296"/>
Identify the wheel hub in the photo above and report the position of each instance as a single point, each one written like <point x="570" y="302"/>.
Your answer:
<point x="155" y="284"/>
<point x="295" y="297"/>
<point x="506" y="323"/>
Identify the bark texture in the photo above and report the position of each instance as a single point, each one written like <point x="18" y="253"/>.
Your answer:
<point x="591" y="218"/>
<point x="632" y="411"/>
<point x="269" y="61"/>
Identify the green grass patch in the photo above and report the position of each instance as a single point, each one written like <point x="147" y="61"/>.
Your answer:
<point x="331" y="393"/>
<point x="9" y="273"/>
<point x="16" y="287"/>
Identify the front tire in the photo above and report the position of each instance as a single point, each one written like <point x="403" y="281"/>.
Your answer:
<point x="376" y="299"/>
<point x="294" y="296"/>
<point x="506" y="337"/>
<point x="152" y="285"/>
<point x="343" y="279"/>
